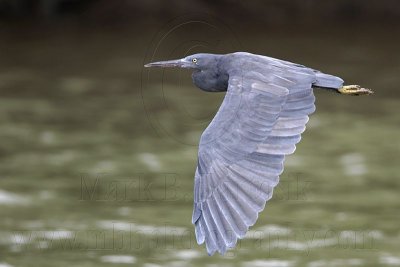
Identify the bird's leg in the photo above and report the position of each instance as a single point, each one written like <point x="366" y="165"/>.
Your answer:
<point x="354" y="90"/>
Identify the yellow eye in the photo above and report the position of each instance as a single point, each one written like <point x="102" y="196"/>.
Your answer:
<point x="194" y="60"/>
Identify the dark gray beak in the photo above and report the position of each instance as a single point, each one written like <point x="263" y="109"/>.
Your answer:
<point x="167" y="64"/>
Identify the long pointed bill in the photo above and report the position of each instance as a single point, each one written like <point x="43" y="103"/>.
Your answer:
<point x="167" y="64"/>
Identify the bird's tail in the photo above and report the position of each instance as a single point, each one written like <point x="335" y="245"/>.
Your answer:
<point x="327" y="81"/>
<point x="330" y="82"/>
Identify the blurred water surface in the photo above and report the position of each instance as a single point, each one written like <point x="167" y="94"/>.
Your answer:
<point x="95" y="171"/>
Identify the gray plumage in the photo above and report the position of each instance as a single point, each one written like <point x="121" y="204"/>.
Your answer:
<point x="241" y="153"/>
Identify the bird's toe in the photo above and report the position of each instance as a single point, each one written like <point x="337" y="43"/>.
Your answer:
<point x="354" y="90"/>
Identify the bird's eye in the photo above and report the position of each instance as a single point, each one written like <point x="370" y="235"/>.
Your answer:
<point x="194" y="60"/>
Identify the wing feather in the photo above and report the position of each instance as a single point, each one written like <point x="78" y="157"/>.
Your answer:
<point x="241" y="152"/>
<point x="231" y="216"/>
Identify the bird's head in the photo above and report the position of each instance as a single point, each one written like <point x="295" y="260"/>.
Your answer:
<point x="196" y="62"/>
<point x="207" y="74"/>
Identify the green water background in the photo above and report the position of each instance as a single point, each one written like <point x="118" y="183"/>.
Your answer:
<point x="94" y="166"/>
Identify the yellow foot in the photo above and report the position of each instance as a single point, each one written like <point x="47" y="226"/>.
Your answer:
<point x="354" y="90"/>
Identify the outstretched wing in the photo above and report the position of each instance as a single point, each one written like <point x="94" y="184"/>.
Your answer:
<point x="241" y="152"/>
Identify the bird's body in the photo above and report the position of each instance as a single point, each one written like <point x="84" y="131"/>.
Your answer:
<point x="214" y="76"/>
<point x="241" y="153"/>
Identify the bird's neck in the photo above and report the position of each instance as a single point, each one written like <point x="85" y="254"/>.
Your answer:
<point x="211" y="80"/>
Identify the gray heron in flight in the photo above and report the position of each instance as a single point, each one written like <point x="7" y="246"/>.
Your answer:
<point x="241" y="153"/>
